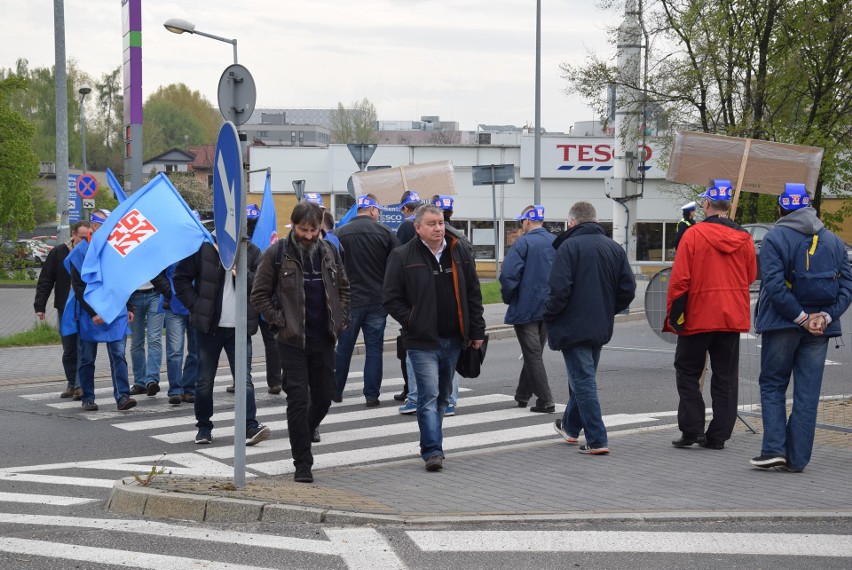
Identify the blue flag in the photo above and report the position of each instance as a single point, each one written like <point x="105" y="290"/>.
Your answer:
<point x="146" y="233"/>
<point x="116" y="186"/>
<point x="266" y="230"/>
<point x="353" y="211"/>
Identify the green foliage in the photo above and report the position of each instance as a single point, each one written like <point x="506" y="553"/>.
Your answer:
<point x="152" y="474"/>
<point x="194" y="192"/>
<point x="44" y="206"/>
<point x="41" y="333"/>
<point x="18" y="163"/>
<point x="490" y="292"/>
<point x="177" y="117"/>
<point x="356" y="124"/>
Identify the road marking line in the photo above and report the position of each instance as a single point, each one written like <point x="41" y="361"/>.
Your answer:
<point x="53" y="500"/>
<point x="57" y="480"/>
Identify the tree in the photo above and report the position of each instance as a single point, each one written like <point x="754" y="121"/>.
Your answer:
<point x="778" y="70"/>
<point x="194" y="192"/>
<point x="176" y="116"/>
<point x="356" y="124"/>
<point x="18" y="162"/>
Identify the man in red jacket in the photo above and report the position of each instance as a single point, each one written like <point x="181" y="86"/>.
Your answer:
<point x="708" y="308"/>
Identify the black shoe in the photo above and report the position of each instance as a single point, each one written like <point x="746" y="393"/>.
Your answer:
<point x="90" y="406"/>
<point x="188" y="398"/>
<point x="767" y="461"/>
<point x="315" y="437"/>
<point x="151" y="388"/>
<point x="337" y="399"/>
<point x="791" y="469"/>
<point x="522" y="403"/>
<point x="710" y="444"/>
<point x="125" y="403"/>
<point x="688" y="440"/>
<point x="274" y="389"/>
<point x="372" y="403"/>
<point x="434" y="463"/>
<point x="231" y="389"/>
<point x="257" y="434"/>
<point x="135" y="390"/>
<point x="175" y="400"/>
<point x="544" y="408"/>
<point x="401" y="397"/>
<point x="303" y="475"/>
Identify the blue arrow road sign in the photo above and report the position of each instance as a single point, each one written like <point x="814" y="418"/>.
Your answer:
<point x="228" y="213"/>
<point x="74" y="201"/>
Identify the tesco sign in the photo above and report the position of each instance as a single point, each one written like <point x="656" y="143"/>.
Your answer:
<point x="579" y="157"/>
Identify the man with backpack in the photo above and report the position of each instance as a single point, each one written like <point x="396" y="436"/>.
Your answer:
<point x="806" y="287"/>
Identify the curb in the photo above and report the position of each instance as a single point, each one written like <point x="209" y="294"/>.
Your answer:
<point x="130" y="498"/>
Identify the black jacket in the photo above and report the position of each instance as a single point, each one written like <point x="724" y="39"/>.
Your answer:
<point x="53" y="277"/>
<point x="281" y="298"/>
<point x="203" y="298"/>
<point x="590" y="282"/>
<point x="368" y="245"/>
<point x="409" y="293"/>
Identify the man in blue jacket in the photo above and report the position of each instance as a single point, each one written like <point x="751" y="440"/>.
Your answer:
<point x="796" y="327"/>
<point x="591" y="281"/>
<point x="523" y="285"/>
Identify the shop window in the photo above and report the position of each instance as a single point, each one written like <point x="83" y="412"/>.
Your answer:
<point x="482" y="238"/>
<point x="671" y="232"/>
<point x="649" y="241"/>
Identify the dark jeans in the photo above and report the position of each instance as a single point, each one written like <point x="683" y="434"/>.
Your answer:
<point x="210" y="347"/>
<point x="274" y="374"/>
<point x="371" y="319"/>
<point x="309" y="384"/>
<point x="533" y="379"/>
<point x="724" y="349"/>
<point x="69" y="355"/>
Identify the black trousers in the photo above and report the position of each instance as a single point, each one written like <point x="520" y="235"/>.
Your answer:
<point x="310" y="384"/>
<point x="274" y="374"/>
<point x="724" y="349"/>
<point x="69" y="355"/>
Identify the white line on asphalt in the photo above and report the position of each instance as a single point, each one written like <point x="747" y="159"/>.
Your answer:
<point x="57" y="480"/>
<point x="764" y="544"/>
<point x="53" y="500"/>
<point x="363" y="548"/>
<point x="187" y="464"/>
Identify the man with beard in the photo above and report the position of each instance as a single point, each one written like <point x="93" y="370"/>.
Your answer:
<point x="301" y="289"/>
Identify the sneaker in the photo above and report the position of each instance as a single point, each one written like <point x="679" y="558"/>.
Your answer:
<point x="450" y="410"/>
<point x="557" y="425"/>
<point x="315" y="437"/>
<point x="203" y="436"/>
<point x="372" y="403"/>
<point x="544" y="408"/>
<point x="688" y="440"/>
<point x="589" y="450"/>
<point x="67" y="392"/>
<point x="767" y="461"/>
<point x="401" y="397"/>
<point x="137" y="390"/>
<point x="408" y="408"/>
<point x="521" y="403"/>
<point x="434" y="463"/>
<point x="188" y="398"/>
<point x="257" y="434"/>
<point x="791" y="469"/>
<point x="231" y="389"/>
<point x="175" y="400"/>
<point x="151" y="388"/>
<point x="303" y="475"/>
<point x="125" y="403"/>
<point x="274" y="389"/>
<point x="90" y="406"/>
<point x="78" y="394"/>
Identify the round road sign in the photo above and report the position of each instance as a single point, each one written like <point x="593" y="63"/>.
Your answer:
<point x="87" y="186"/>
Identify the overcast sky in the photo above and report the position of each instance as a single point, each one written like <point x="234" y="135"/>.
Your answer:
<point x="471" y="61"/>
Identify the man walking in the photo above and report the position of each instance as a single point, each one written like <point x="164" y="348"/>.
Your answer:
<point x="405" y="233"/>
<point x="523" y="285"/>
<point x="796" y="320"/>
<point x="301" y="289"/>
<point x="686" y="222"/>
<point x="432" y="289"/>
<point x="590" y="282"/>
<point x="147" y="329"/>
<point x="54" y="277"/>
<point x="367" y="244"/>
<point x="708" y="308"/>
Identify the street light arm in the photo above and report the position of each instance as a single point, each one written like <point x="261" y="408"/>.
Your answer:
<point x="233" y="42"/>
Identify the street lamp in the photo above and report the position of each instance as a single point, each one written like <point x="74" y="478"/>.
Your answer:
<point x="179" y="26"/>
<point x="83" y="91"/>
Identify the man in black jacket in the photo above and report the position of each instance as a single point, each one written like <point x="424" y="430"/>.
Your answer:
<point x="590" y="282"/>
<point x="367" y="244"/>
<point x="209" y="293"/>
<point x="54" y="277"/>
<point x="431" y="288"/>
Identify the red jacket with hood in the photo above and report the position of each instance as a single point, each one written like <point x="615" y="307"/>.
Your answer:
<point x="708" y="290"/>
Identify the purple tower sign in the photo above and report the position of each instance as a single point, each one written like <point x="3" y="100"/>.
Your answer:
<point x="131" y="15"/>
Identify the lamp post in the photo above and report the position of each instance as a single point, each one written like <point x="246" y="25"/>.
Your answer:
<point x="179" y="26"/>
<point x="537" y="136"/>
<point x="83" y="91"/>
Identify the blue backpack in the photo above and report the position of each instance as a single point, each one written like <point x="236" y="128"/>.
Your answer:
<point x="814" y="279"/>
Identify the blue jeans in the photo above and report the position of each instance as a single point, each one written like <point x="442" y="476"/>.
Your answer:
<point x="433" y="370"/>
<point x="412" y="385"/>
<point x="584" y="409"/>
<point x="147" y="326"/>
<point x="210" y="346"/>
<point x="785" y="352"/>
<point x="87" y="352"/>
<point x="182" y="374"/>
<point x="371" y="319"/>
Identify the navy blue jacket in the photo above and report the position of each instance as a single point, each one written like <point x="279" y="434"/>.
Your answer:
<point x="524" y="275"/>
<point x="777" y="307"/>
<point x="590" y="282"/>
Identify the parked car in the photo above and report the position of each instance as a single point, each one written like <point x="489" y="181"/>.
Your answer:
<point x="50" y="241"/>
<point x="35" y="250"/>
